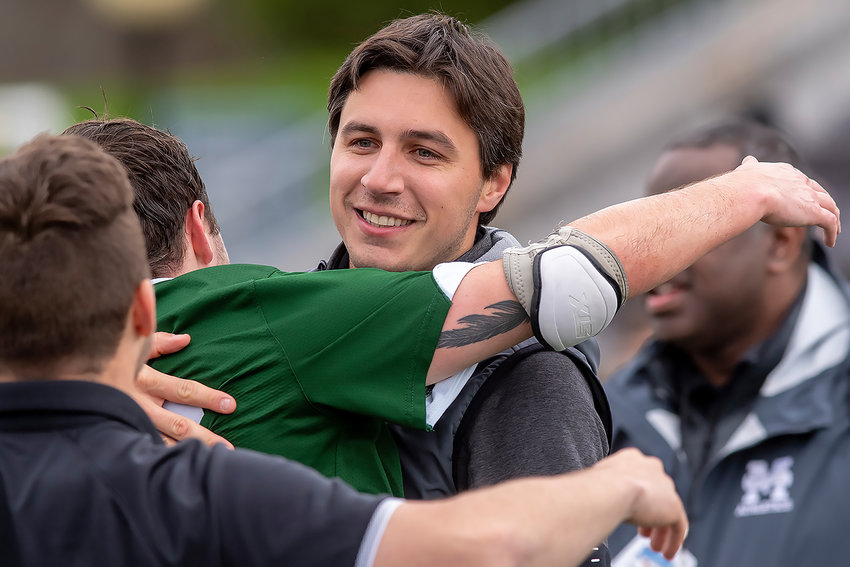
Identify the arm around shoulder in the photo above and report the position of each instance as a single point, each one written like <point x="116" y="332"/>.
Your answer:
<point x="540" y="522"/>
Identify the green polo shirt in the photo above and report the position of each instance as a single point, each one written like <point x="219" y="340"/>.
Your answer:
<point x="317" y="362"/>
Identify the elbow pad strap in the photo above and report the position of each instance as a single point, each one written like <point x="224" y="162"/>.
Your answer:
<point x="571" y="286"/>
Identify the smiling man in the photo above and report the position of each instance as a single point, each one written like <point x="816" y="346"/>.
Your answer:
<point x="427" y="123"/>
<point x="406" y="180"/>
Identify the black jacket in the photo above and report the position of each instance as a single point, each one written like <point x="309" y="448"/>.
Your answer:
<point x="772" y="488"/>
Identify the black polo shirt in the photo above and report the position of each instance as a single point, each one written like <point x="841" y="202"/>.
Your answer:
<point x="88" y="481"/>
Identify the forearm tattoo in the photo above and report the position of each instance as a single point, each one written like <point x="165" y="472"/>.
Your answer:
<point x="506" y="315"/>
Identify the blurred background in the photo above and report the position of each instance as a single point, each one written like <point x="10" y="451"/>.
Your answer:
<point x="606" y="83"/>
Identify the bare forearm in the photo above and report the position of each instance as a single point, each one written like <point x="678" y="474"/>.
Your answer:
<point x="657" y="237"/>
<point x="552" y="521"/>
<point x="654" y="238"/>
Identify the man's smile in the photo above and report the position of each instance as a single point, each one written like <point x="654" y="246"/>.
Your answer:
<point x="382" y="221"/>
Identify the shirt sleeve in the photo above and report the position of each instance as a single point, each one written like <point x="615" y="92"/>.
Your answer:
<point x="449" y="275"/>
<point x="358" y="340"/>
<point x="271" y="511"/>
<point x="375" y="532"/>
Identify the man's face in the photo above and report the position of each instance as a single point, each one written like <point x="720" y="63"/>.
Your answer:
<point x="405" y="183"/>
<point x="718" y="298"/>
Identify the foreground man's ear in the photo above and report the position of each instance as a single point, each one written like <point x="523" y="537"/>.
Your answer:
<point x="198" y="235"/>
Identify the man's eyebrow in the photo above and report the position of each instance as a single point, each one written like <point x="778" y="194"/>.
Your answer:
<point x="359" y="127"/>
<point x="434" y="136"/>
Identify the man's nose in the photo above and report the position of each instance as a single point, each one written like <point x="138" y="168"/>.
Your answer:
<point x="385" y="175"/>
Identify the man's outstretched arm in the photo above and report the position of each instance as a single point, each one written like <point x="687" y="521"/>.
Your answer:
<point x="573" y="283"/>
<point x="632" y="247"/>
<point x="553" y="521"/>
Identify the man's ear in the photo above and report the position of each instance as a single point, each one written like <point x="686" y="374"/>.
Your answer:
<point x="495" y="188"/>
<point x="143" y="309"/>
<point x="197" y="234"/>
<point x="786" y="247"/>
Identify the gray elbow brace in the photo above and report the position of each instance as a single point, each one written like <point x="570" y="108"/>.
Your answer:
<point x="571" y="285"/>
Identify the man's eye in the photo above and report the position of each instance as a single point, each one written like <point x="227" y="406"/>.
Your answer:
<point x="363" y="143"/>
<point x="425" y="154"/>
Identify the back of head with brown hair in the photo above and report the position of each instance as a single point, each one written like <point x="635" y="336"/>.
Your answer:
<point x="164" y="178"/>
<point x="473" y="70"/>
<point x="71" y="257"/>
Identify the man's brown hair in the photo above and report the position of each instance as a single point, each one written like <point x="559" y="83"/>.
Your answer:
<point x="71" y="257"/>
<point x="165" y="180"/>
<point x="473" y="70"/>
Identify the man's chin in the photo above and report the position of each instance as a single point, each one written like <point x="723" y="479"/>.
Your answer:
<point x="675" y="332"/>
<point x="381" y="261"/>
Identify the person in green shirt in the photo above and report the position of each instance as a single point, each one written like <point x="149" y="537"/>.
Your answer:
<point x="282" y="345"/>
<point x="320" y="362"/>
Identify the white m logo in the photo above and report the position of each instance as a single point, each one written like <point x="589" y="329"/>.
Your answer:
<point x="766" y="488"/>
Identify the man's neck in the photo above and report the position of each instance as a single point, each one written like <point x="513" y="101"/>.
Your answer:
<point x="489" y="244"/>
<point x="52" y="375"/>
<point x="717" y="365"/>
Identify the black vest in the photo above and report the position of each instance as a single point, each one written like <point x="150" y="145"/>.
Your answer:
<point x="426" y="456"/>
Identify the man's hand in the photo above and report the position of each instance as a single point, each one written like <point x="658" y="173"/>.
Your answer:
<point x="793" y="199"/>
<point x="153" y="388"/>
<point x="656" y="508"/>
<point x="657" y="237"/>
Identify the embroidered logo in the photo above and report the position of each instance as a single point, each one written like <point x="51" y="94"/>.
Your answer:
<point x="766" y="488"/>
